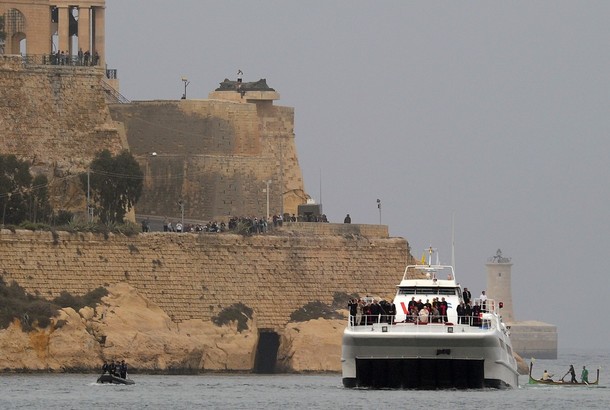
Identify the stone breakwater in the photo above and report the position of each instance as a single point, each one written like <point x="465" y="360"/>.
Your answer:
<point x="166" y="288"/>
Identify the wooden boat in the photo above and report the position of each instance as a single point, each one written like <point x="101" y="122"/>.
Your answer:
<point x="560" y="382"/>
<point x="114" y="379"/>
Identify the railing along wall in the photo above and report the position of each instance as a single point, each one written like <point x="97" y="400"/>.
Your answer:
<point x="60" y="59"/>
<point x="112" y="95"/>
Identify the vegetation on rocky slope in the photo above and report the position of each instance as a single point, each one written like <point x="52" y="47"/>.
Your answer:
<point x="33" y="311"/>
<point x="237" y="312"/>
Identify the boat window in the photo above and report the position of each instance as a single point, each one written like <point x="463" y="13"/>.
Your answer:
<point x="412" y="290"/>
<point x="427" y="291"/>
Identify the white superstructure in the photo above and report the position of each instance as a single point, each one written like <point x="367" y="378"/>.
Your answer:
<point x="404" y="350"/>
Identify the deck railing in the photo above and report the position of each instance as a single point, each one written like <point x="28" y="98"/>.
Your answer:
<point x="377" y="321"/>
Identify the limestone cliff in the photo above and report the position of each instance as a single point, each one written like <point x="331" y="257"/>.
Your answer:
<point x="127" y="326"/>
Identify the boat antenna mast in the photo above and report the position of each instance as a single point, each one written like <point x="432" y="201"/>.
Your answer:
<point x="453" y="240"/>
<point x="432" y="251"/>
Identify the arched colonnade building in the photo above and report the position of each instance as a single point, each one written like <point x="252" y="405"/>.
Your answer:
<point x="43" y="27"/>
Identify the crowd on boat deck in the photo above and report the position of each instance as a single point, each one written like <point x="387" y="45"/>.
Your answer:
<point x="115" y="368"/>
<point x="364" y="311"/>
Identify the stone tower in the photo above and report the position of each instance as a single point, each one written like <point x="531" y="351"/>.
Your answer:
<point x="498" y="283"/>
<point x="220" y="156"/>
<point x="42" y="27"/>
<point x="530" y="338"/>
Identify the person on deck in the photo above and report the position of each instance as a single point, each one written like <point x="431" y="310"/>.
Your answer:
<point x="584" y="375"/>
<point x="476" y="311"/>
<point x="483" y="299"/>
<point x="353" y="309"/>
<point x="424" y="315"/>
<point x="444" y="307"/>
<point x="467" y="296"/>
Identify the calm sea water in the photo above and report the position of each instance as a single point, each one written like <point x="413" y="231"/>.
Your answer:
<point x="79" y="391"/>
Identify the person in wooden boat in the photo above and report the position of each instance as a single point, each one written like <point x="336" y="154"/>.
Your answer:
<point x="547" y="377"/>
<point x="572" y="373"/>
<point x="584" y="375"/>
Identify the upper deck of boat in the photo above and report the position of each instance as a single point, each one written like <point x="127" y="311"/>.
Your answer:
<point x="489" y="324"/>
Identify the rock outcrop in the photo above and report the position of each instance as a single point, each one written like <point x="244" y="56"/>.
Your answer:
<point x="312" y="346"/>
<point x="127" y="326"/>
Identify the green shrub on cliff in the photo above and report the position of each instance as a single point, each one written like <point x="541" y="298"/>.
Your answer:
<point x="91" y="298"/>
<point x="236" y="312"/>
<point x="16" y="303"/>
<point x="33" y="311"/>
<point x="314" y="310"/>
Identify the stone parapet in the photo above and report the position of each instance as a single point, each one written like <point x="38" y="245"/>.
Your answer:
<point x="245" y="97"/>
<point x="319" y="228"/>
<point x="196" y="276"/>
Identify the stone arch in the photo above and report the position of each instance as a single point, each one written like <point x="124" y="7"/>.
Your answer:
<point x="18" y="43"/>
<point x="15" y="29"/>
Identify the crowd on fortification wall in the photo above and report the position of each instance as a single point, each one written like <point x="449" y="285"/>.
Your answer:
<point x="249" y="225"/>
<point x="61" y="57"/>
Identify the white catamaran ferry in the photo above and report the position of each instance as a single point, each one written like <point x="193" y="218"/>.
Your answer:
<point x="415" y="349"/>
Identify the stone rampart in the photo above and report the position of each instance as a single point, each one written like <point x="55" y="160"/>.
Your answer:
<point x="56" y="117"/>
<point x="216" y="155"/>
<point x="196" y="276"/>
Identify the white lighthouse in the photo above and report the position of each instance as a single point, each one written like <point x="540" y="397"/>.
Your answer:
<point x="530" y="338"/>
<point x="498" y="284"/>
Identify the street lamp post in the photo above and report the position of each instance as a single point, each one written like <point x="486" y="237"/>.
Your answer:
<point x="8" y="198"/>
<point x="186" y="83"/>
<point x="181" y="205"/>
<point x="268" y="182"/>
<point x="379" y="207"/>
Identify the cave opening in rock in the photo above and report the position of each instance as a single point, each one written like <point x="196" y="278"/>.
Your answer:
<point x="266" y="351"/>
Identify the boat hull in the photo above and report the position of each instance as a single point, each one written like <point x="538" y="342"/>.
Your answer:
<point x="561" y="383"/>
<point x="108" y="378"/>
<point x="408" y="359"/>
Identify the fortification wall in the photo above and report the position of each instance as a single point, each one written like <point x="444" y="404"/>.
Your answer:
<point x="215" y="155"/>
<point x="194" y="276"/>
<point x="56" y="118"/>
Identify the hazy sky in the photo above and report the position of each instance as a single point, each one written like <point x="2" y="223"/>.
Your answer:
<point x="494" y="112"/>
